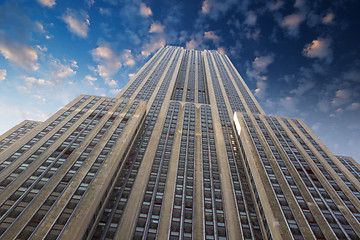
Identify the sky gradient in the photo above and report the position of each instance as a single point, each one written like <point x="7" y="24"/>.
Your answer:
<point x="300" y="58"/>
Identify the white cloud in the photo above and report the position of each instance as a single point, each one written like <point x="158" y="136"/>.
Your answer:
<point x="261" y="63"/>
<point x="256" y="72"/>
<point x="42" y="48"/>
<point x="289" y="104"/>
<point x="152" y="46"/>
<point x="319" y="48"/>
<point x="205" y="8"/>
<point x="128" y="58"/>
<point x="60" y="71"/>
<point x="211" y="35"/>
<point x="292" y="22"/>
<point x="329" y="17"/>
<point x="109" y="61"/>
<point x="2" y="74"/>
<point x="39" y="26"/>
<point x="78" y="23"/>
<point x="261" y="87"/>
<point x="156" y="28"/>
<point x="145" y="10"/>
<point x="214" y="8"/>
<point x="32" y="82"/>
<point x="18" y="53"/>
<point x="251" y="18"/>
<point x="342" y="96"/>
<point x="353" y="106"/>
<point x="276" y="5"/>
<point x="47" y="3"/>
<point x="90" y="79"/>
<point x="192" y="44"/>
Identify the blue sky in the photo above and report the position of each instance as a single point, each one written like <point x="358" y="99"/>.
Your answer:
<point x="300" y="58"/>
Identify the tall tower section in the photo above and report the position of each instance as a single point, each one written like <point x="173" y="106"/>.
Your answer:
<point x="184" y="151"/>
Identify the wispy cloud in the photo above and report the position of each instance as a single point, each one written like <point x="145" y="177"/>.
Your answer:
<point x="192" y="44"/>
<point x="32" y="82"/>
<point x="145" y="10"/>
<point x="251" y="18"/>
<point x="257" y="72"/>
<point x="211" y="35"/>
<point x="342" y="96"/>
<point x="2" y="74"/>
<point x="109" y="62"/>
<point x="18" y="53"/>
<point x="60" y="71"/>
<point x="156" y="28"/>
<point x="353" y="106"/>
<point x="77" y="22"/>
<point x="319" y="48"/>
<point x="128" y="58"/>
<point x="90" y="79"/>
<point x="328" y="18"/>
<point x="275" y="5"/>
<point x="153" y="45"/>
<point x="47" y="3"/>
<point x="214" y="8"/>
<point x="105" y="11"/>
<point x="292" y="22"/>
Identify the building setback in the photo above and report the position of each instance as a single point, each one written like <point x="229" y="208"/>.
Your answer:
<point x="184" y="151"/>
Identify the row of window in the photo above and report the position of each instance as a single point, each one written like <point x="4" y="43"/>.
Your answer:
<point x="203" y="94"/>
<point x="213" y="208"/>
<point x="190" y="91"/>
<point x="31" y="187"/>
<point x="59" y="189"/>
<point x="330" y="179"/>
<point x="322" y="198"/>
<point x="115" y="205"/>
<point x="267" y="231"/>
<point x="8" y="161"/>
<point x="232" y="95"/>
<point x="246" y="210"/>
<point x="150" y="211"/>
<point x="276" y="187"/>
<point x="68" y="211"/>
<point x="148" y="88"/>
<point x="183" y="203"/>
<point x="140" y="78"/>
<point x="180" y="82"/>
<point x="17" y="134"/>
<point x="11" y="177"/>
<point x="343" y="177"/>
<point x="350" y="166"/>
<point x="244" y="92"/>
<point x="298" y="196"/>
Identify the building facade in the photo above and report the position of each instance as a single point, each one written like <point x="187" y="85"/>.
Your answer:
<point x="184" y="151"/>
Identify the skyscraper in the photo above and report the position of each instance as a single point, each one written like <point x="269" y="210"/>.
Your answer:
<point x="184" y="151"/>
